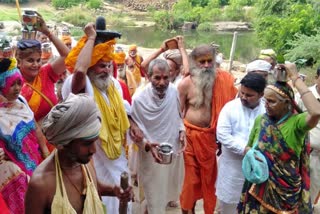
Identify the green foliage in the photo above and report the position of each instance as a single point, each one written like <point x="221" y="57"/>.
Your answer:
<point x="304" y="47"/>
<point x="234" y="12"/>
<point x="202" y="11"/>
<point x="206" y="26"/>
<point x="224" y="2"/>
<point x="275" y="30"/>
<point x="201" y="3"/>
<point x="78" y="16"/>
<point x="66" y="3"/>
<point x="163" y="19"/>
<point x="94" y="4"/>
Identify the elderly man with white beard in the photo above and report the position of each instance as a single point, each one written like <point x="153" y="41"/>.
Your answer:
<point x="156" y="110"/>
<point x="202" y="94"/>
<point x="92" y="62"/>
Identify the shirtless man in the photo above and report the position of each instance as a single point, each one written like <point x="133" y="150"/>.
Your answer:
<point x="202" y="95"/>
<point x="66" y="181"/>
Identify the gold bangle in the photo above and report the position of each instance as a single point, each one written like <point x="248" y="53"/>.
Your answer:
<point x="295" y="80"/>
<point x="304" y="93"/>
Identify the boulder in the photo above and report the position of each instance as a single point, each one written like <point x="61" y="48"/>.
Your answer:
<point x="189" y="25"/>
<point x="232" y="26"/>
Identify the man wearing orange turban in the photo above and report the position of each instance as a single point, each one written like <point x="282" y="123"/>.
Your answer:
<point x="124" y="74"/>
<point x="133" y="61"/>
<point x="66" y="39"/>
<point x="91" y="62"/>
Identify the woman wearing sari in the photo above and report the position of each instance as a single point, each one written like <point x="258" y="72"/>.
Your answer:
<point x="39" y="80"/>
<point x="20" y="139"/>
<point x="280" y="136"/>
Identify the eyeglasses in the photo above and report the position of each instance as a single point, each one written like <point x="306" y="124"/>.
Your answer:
<point x="24" y="44"/>
<point x="270" y="103"/>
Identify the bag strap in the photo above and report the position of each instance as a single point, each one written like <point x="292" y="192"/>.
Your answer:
<point x="41" y="94"/>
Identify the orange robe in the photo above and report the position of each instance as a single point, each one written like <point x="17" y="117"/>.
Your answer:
<point x="200" y="154"/>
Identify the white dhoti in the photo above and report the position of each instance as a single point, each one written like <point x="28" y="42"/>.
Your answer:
<point x="160" y="121"/>
<point x="109" y="172"/>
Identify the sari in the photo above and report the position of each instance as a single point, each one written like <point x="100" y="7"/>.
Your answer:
<point x="287" y="188"/>
<point x="19" y="142"/>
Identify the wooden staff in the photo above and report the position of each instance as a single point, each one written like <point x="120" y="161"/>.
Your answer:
<point x="124" y="184"/>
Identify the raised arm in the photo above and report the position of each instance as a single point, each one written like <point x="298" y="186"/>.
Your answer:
<point x="184" y="55"/>
<point x="58" y="65"/>
<point x="145" y="63"/>
<point x="84" y="60"/>
<point x="310" y="102"/>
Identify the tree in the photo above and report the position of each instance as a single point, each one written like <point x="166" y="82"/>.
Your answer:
<point x="279" y="20"/>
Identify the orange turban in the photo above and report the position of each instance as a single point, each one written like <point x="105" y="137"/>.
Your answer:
<point x="102" y="51"/>
<point x="132" y="47"/>
<point x="66" y="39"/>
<point x="119" y="57"/>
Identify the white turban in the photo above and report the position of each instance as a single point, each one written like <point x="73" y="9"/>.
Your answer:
<point x="74" y="118"/>
<point x="258" y="65"/>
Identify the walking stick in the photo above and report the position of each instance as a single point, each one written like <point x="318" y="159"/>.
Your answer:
<point x="124" y="184"/>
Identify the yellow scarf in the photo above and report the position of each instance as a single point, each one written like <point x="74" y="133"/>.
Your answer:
<point x="114" y="121"/>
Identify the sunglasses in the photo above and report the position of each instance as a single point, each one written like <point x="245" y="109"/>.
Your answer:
<point x="24" y="44"/>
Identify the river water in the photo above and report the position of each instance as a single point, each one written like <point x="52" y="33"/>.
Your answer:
<point x="247" y="46"/>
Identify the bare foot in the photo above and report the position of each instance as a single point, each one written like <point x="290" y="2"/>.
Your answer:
<point x="173" y="204"/>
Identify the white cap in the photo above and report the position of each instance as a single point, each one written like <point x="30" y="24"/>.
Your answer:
<point x="258" y="65"/>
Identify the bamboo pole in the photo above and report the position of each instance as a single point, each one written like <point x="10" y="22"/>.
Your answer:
<point x="233" y="48"/>
<point x="19" y="10"/>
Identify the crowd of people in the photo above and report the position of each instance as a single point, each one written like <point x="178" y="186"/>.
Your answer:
<point x="71" y="124"/>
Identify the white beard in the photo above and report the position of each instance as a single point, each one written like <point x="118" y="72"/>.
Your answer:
<point x="203" y="80"/>
<point x="101" y="81"/>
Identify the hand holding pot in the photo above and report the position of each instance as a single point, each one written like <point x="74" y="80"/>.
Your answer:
<point x="291" y="70"/>
<point x="153" y="147"/>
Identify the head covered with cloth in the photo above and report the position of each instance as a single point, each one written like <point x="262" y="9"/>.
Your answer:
<point x="9" y="75"/>
<point x="103" y="46"/>
<point x="75" y="118"/>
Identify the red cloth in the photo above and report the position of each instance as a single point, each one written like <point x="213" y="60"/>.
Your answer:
<point x="124" y="87"/>
<point x="48" y="79"/>
<point x="200" y="154"/>
<point x="3" y="206"/>
<point x="125" y="91"/>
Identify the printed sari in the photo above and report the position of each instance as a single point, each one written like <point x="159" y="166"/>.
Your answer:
<point x="18" y="140"/>
<point x="287" y="189"/>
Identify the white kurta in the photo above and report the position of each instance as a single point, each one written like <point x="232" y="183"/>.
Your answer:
<point x="108" y="171"/>
<point x="160" y="121"/>
<point x="234" y="125"/>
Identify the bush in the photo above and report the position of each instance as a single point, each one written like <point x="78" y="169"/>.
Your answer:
<point x="206" y="26"/>
<point x="234" y="13"/>
<point x="304" y="47"/>
<point x="94" y="4"/>
<point x="163" y="19"/>
<point x="78" y="16"/>
<point x="65" y="3"/>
